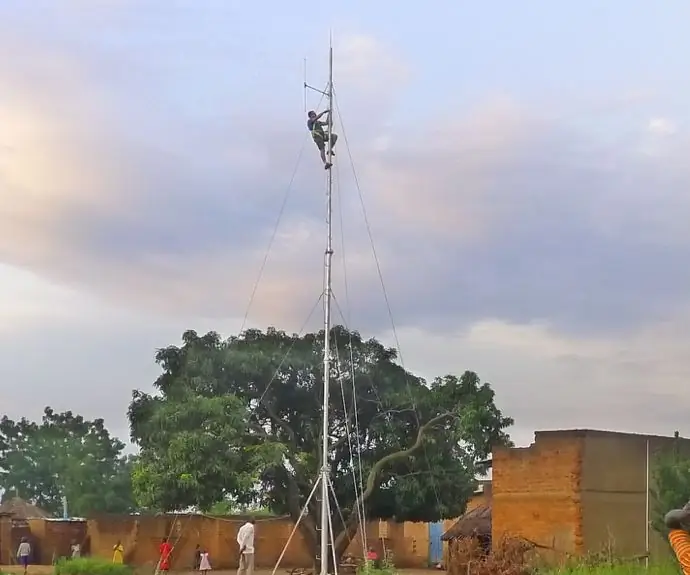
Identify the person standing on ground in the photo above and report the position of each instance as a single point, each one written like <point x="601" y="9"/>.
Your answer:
<point x="118" y="553"/>
<point x="197" y="557"/>
<point x="245" y="539"/>
<point x="165" y="550"/>
<point x="204" y="562"/>
<point x="24" y="553"/>
<point x="678" y="522"/>
<point x="75" y="548"/>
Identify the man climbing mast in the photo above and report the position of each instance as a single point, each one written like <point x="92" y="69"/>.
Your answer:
<point x="320" y="136"/>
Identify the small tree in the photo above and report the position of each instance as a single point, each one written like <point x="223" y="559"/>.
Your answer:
<point x="671" y="477"/>
<point x="65" y="455"/>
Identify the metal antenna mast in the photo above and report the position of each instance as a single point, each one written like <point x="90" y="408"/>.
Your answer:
<point x="328" y="256"/>
<point x="324" y="477"/>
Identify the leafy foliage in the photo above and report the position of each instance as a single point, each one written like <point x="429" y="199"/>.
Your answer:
<point x="64" y="455"/>
<point x="671" y="478"/>
<point x="241" y="420"/>
<point x="369" y="568"/>
<point x="228" y="507"/>
<point x="90" y="566"/>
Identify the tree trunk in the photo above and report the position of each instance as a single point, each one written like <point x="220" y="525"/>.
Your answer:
<point x="347" y="533"/>
<point x="342" y="542"/>
<point x="312" y="538"/>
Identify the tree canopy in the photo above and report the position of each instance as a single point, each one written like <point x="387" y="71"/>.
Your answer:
<point x="241" y="419"/>
<point x="64" y="455"/>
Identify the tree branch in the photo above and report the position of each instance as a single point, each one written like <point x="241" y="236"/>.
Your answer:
<point x="346" y="434"/>
<point x="290" y="432"/>
<point x="307" y="525"/>
<point x="393" y="411"/>
<point x="375" y="474"/>
<point x="298" y="479"/>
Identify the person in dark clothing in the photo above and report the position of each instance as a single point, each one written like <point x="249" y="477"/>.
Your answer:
<point x="197" y="557"/>
<point x="320" y="135"/>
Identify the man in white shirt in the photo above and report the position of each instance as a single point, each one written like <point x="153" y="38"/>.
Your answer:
<point x="245" y="539"/>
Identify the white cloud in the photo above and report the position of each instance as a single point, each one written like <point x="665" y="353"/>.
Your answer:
<point x="662" y="127"/>
<point x="635" y="382"/>
<point x="365" y="62"/>
<point x="90" y="358"/>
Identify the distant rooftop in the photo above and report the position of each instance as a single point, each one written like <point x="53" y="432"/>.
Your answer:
<point x="20" y="509"/>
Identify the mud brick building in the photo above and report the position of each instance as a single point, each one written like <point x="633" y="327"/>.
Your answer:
<point x="580" y="491"/>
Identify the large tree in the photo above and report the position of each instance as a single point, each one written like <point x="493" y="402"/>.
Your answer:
<point x="241" y="419"/>
<point x="65" y="455"/>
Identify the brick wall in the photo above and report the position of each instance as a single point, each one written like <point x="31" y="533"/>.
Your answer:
<point x="536" y="493"/>
<point x="142" y="535"/>
<point x="411" y="546"/>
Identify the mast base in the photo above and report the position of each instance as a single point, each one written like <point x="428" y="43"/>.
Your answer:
<point x="305" y="510"/>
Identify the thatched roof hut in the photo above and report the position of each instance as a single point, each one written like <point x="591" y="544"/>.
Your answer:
<point x="475" y="523"/>
<point x="20" y="509"/>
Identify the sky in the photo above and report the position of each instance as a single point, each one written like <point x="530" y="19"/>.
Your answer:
<point x="521" y="167"/>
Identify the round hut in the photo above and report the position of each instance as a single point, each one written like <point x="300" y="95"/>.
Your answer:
<point x="15" y="514"/>
<point x="469" y="535"/>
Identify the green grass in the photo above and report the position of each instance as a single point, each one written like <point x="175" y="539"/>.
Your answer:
<point x="368" y="569"/>
<point x="668" y="568"/>
<point x="90" y="566"/>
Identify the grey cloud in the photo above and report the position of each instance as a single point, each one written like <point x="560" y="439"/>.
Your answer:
<point x="499" y="213"/>
<point x="87" y="364"/>
<point x="90" y="363"/>
<point x="634" y="382"/>
<point x="495" y="212"/>
<point x="545" y="249"/>
<point x="88" y="370"/>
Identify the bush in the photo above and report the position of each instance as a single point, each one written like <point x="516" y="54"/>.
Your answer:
<point x="509" y="556"/>
<point x="90" y="566"/>
<point x="638" y="568"/>
<point x="370" y="569"/>
<point x="383" y="566"/>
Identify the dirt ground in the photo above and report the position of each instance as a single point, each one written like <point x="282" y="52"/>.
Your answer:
<point x="48" y="569"/>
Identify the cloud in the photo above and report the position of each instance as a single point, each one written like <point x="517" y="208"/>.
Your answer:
<point x="545" y="379"/>
<point x="513" y="215"/>
<point x="662" y="127"/>
<point x="369" y="74"/>
<point x="130" y="215"/>
<point x="493" y="210"/>
<point x="542" y="248"/>
<point x="90" y="359"/>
